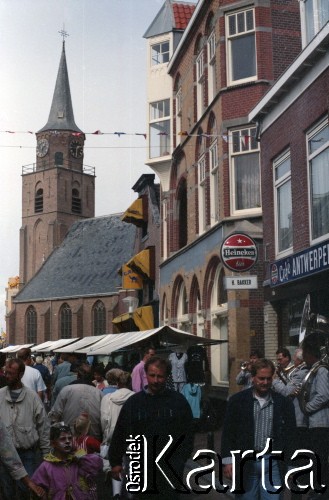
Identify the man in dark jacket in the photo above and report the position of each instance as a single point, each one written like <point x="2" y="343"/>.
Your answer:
<point x="153" y="421"/>
<point x="253" y="416"/>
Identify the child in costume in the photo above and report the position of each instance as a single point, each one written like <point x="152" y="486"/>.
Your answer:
<point x="66" y="475"/>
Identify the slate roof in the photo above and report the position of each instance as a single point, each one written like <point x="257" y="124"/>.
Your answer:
<point x="61" y="115"/>
<point x="172" y="16"/>
<point x="86" y="263"/>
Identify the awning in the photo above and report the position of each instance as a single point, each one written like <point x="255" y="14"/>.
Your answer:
<point x="15" y="348"/>
<point x="41" y="346"/>
<point x="135" y="214"/>
<point x="54" y="345"/>
<point x="143" y="263"/>
<point x="84" y="342"/>
<point x="142" y="317"/>
<point x="166" y="337"/>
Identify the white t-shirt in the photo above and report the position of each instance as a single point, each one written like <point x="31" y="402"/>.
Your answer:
<point x="33" y="380"/>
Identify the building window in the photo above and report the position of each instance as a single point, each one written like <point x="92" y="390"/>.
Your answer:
<point x="99" y="318"/>
<point x="178" y="114"/>
<point x="315" y="14"/>
<point x="38" y="201"/>
<point x="245" y="170"/>
<point x="219" y="330"/>
<point x="200" y="80"/>
<point x="241" y="46"/>
<point x="66" y="322"/>
<point x="59" y="159"/>
<point x="160" y="53"/>
<point x="160" y="128"/>
<point x="202" y="193"/>
<point x="31" y="325"/>
<point x="283" y="202"/>
<point x="76" y="201"/>
<point x="211" y="44"/>
<point x="182" y="309"/>
<point x="214" y="183"/>
<point x="318" y="161"/>
<point x="182" y="214"/>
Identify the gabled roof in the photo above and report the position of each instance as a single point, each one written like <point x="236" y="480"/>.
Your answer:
<point x="86" y="263"/>
<point x="61" y="115"/>
<point x="172" y="16"/>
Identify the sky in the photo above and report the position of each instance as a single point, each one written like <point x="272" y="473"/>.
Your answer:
<point x="106" y="58"/>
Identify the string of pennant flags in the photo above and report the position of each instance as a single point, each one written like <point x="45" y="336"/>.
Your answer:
<point x="225" y="137"/>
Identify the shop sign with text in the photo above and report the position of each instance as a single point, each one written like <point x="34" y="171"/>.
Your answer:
<point x="299" y="265"/>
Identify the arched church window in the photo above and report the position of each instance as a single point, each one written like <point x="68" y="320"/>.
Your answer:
<point x="31" y="325"/>
<point x="76" y="201"/>
<point x="59" y="158"/>
<point x="38" y="201"/>
<point x="66" y="321"/>
<point x="99" y="318"/>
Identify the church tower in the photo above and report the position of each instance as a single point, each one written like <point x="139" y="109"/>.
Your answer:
<point x="58" y="189"/>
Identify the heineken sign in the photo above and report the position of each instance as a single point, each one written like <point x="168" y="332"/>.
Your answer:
<point x="239" y="252"/>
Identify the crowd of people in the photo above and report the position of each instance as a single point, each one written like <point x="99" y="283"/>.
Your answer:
<point x="65" y="423"/>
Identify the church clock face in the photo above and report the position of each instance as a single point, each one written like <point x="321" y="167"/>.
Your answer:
<point x="42" y="147"/>
<point x="76" y="149"/>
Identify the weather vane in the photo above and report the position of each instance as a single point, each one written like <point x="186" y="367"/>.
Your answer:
<point x="63" y="33"/>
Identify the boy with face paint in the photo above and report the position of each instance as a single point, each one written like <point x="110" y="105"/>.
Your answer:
<point x="64" y="473"/>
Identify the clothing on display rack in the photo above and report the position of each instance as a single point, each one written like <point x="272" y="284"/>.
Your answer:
<point x="178" y="360"/>
<point x="197" y="364"/>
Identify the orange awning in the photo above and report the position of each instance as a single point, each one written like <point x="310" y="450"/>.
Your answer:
<point x="142" y="317"/>
<point x="135" y="214"/>
<point x="143" y="263"/>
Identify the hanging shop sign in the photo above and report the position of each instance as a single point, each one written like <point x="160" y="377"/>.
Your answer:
<point x="239" y="252"/>
<point x="300" y="265"/>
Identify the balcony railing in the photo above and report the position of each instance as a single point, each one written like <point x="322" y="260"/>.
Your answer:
<point x="68" y="165"/>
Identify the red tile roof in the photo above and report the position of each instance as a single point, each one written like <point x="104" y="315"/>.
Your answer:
<point x="182" y="14"/>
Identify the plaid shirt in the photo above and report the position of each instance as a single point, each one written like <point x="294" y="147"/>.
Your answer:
<point x="263" y="419"/>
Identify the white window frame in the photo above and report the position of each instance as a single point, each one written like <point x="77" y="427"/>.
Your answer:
<point x="219" y="353"/>
<point x="183" y="321"/>
<point x="211" y="49"/>
<point x="244" y="148"/>
<point x="214" y="183"/>
<point x="161" y="53"/>
<point x="202" y="193"/>
<point x="323" y="125"/>
<point x="229" y="40"/>
<point x="316" y="23"/>
<point x="279" y="181"/>
<point x="159" y="122"/>
<point x="178" y="98"/>
<point x="200" y="83"/>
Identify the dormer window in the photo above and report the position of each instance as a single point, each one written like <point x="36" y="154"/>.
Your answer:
<point x="316" y="15"/>
<point x="160" y="53"/>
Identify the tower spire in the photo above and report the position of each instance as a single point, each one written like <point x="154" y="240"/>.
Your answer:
<point x="61" y="115"/>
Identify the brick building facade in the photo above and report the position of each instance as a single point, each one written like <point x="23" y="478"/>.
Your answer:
<point x="228" y="57"/>
<point x="293" y="119"/>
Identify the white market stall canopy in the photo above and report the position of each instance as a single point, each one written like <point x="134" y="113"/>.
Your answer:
<point x="14" y="348"/>
<point x="166" y="335"/>
<point x="52" y="346"/>
<point x="84" y="342"/>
